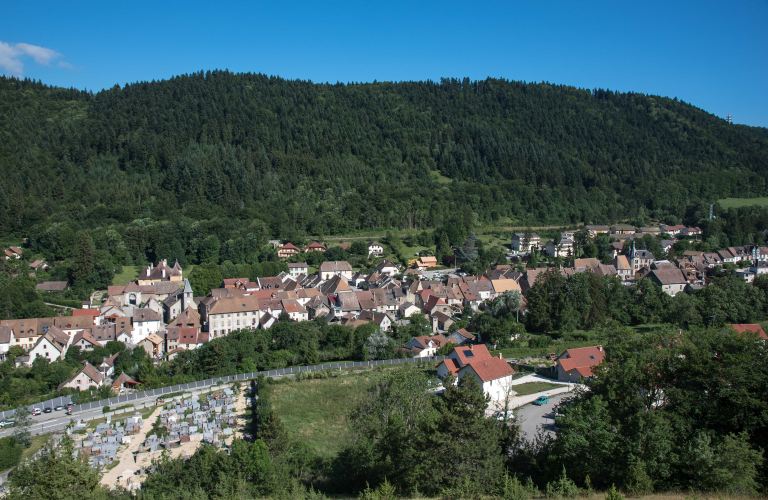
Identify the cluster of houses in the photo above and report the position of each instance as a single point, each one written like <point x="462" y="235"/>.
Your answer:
<point x="686" y="273"/>
<point x="288" y="250"/>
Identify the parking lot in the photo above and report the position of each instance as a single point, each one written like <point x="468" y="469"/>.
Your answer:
<point x="532" y="418"/>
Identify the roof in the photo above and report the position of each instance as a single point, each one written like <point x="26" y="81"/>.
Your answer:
<point x="451" y="364"/>
<point x="295" y="265"/>
<point x="489" y="369"/>
<point x="751" y="328"/>
<point x="188" y="318"/>
<point x="669" y="276"/>
<point x="234" y="281"/>
<point x="110" y="361"/>
<point x="335" y="266"/>
<point x="154" y="338"/>
<point x="289" y="246"/>
<point x="467" y="354"/>
<point x="190" y="336"/>
<point x="85" y="335"/>
<point x="162" y="271"/>
<point x="293" y="306"/>
<point x="504" y="285"/>
<point x="582" y="359"/>
<point x="315" y="244"/>
<point x="145" y="315"/>
<point x="89" y="371"/>
<point x="227" y="305"/>
<point x="52" y="286"/>
<point x="123" y="379"/>
<point x="622" y="264"/>
<point x="348" y="301"/>
<point x="5" y="334"/>
<point x="86" y="312"/>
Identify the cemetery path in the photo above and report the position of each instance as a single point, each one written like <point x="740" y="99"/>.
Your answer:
<point x="125" y="456"/>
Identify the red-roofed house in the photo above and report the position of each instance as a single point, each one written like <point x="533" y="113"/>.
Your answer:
<point x="426" y="346"/>
<point x="437" y="305"/>
<point x="574" y="364"/>
<point x="94" y="313"/>
<point x="493" y="374"/>
<point x="287" y="250"/>
<point x="751" y="328"/>
<point x="314" y="247"/>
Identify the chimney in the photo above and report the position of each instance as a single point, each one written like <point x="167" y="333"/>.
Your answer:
<point x="470" y="347"/>
<point x="163" y="272"/>
<point x="148" y="270"/>
<point x="599" y="348"/>
<point x="501" y="357"/>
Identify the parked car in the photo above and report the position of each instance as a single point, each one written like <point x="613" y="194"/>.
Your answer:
<point x="58" y="408"/>
<point x="37" y="411"/>
<point x="48" y="410"/>
<point x="6" y="423"/>
<point x="499" y="415"/>
<point x="541" y="400"/>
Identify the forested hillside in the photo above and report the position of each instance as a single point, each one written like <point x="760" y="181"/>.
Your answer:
<point x="153" y="169"/>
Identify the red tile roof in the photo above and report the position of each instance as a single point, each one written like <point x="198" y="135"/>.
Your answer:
<point x="582" y="359"/>
<point x="754" y="328"/>
<point x="86" y="312"/>
<point x="490" y="369"/>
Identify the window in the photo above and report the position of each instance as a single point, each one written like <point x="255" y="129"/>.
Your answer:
<point x="591" y="357"/>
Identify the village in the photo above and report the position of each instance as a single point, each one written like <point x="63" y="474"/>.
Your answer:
<point x="160" y="313"/>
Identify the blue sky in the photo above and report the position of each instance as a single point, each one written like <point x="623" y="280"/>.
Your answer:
<point x="711" y="54"/>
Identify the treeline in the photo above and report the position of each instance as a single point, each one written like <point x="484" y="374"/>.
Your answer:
<point x="588" y="300"/>
<point x="207" y="166"/>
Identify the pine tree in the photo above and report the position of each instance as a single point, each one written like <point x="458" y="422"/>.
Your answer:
<point x="84" y="258"/>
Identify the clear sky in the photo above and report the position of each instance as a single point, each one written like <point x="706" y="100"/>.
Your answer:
<point x="711" y="54"/>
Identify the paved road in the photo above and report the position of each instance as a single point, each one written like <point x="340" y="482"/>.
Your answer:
<point x="57" y="420"/>
<point x="532" y="417"/>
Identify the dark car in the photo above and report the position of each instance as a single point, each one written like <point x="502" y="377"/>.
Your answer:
<point x="48" y="410"/>
<point x="58" y="408"/>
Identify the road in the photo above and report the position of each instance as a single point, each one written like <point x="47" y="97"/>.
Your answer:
<point x="532" y="417"/>
<point x="57" y="420"/>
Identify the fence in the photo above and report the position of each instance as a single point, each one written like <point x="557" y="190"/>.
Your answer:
<point x="153" y="393"/>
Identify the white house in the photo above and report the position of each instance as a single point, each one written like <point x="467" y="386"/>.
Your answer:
<point x="386" y="267"/>
<point x="297" y="269"/>
<point x="407" y="308"/>
<point x="85" y="341"/>
<point x="87" y="376"/>
<point x="295" y="310"/>
<point x="52" y="345"/>
<point x="671" y="280"/>
<point x="520" y="244"/>
<point x="145" y="322"/>
<point x="6" y="341"/>
<point x="375" y="248"/>
<point x="342" y="269"/>
<point x="493" y="374"/>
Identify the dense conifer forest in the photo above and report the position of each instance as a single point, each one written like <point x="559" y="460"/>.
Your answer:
<point x="160" y="169"/>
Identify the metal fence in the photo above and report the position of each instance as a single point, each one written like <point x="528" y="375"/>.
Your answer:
<point x="216" y="380"/>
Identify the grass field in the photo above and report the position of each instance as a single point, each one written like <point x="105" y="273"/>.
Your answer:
<point x="129" y="274"/>
<point x="742" y="202"/>
<point x="37" y="443"/>
<point x="315" y="411"/>
<point x="534" y="387"/>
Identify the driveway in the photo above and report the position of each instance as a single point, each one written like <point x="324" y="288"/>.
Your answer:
<point x="532" y="418"/>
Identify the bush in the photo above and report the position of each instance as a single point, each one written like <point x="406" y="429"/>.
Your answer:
<point x="613" y="494"/>
<point x="562" y="488"/>
<point x="105" y="409"/>
<point x="10" y="453"/>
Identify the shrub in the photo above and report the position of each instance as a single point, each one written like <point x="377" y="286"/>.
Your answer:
<point x="613" y="494"/>
<point x="562" y="488"/>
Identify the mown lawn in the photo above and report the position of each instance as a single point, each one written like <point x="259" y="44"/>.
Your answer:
<point x="534" y="387"/>
<point x="742" y="202"/>
<point x="129" y="274"/>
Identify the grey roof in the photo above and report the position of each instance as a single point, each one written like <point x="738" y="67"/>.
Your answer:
<point x="187" y="286"/>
